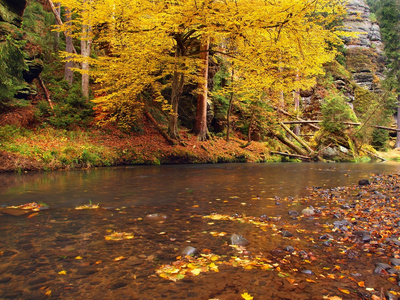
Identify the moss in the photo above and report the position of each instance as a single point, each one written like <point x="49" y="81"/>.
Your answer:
<point x="359" y="60"/>
<point x="362" y="101"/>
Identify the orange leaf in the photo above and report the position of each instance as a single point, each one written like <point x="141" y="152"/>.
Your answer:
<point x="344" y="291"/>
<point x="361" y="284"/>
<point x="290" y="280"/>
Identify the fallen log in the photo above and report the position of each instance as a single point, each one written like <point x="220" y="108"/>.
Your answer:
<point x="374" y="155"/>
<point x="386" y="128"/>
<point x="46" y="92"/>
<point x="302" y="157"/>
<point x="298" y="118"/>
<point x="303" y="143"/>
<point x="317" y="122"/>
<point x="159" y="128"/>
<point x="289" y="144"/>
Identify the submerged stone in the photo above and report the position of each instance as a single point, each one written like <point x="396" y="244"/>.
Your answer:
<point x="364" y="182"/>
<point x="308" y="212"/>
<point x="238" y="240"/>
<point x="189" y="250"/>
<point x="286" y="233"/>
<point x="289" y="249"/>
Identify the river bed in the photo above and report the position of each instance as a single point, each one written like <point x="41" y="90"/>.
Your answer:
<point x="64" y="253"/>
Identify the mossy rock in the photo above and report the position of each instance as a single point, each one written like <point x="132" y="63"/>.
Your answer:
<point x="11" y="11"/>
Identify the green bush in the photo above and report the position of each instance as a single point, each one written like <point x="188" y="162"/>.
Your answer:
<point x="335" y="111"/>
<point x="12" y="65"/>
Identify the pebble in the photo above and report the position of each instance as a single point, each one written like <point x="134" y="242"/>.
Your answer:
<point x="289" y="249"/>
<point x="395" y="261"/>
<point x="189" y="250"/>
<point x="363" y="182"/>
<point x="308" y="212"/>
<point x="286" y="233"/>
<point x="238" y="240"/>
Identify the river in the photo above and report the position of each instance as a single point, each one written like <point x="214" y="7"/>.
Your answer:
<point x="62" y="253"/>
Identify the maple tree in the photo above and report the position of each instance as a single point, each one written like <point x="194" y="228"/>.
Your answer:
<point x="159" y="47"/>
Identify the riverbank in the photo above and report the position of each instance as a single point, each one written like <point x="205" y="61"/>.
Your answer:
<point x="46" y="149"/>
<point x="51" y="149"/>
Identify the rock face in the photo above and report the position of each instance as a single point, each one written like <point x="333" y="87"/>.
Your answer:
<point x="364" y="52"/>
<point x="11" y="12"/>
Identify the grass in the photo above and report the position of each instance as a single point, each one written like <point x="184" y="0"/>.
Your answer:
<point x="51" y="149"/>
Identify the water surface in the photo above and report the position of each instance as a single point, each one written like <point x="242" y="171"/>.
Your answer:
<point x="62" y="253"/>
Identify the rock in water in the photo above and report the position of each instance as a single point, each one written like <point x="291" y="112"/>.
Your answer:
<point x="238" y="240"/>
<point x="189" y="250"/>
<point x="363" y="182"/>
<point x="308" y="212"/>
<point x="286" y="233"/>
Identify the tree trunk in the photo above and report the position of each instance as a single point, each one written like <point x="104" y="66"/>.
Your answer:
<point x="86" y="46"/>
<point x="177" y="86"/>
<point x="250" y="124"/>
<point x="228" y="113"/>
<point x="68" y="74"/>
<point x="398" y="123"/>
<point x="200" y="127"/>
<point x="303" y="143"/>
<point x="296" y="96"/>
<point x="291" y="145"/>
<point x="159" y="128"/>
<point x="46" y="92"/>
<point x="56" y="12"/>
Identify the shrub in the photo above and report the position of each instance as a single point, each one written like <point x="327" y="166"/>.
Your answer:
<point x="335" y="111"/>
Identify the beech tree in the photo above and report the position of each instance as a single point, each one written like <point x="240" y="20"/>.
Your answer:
<point x="162" y="45"/>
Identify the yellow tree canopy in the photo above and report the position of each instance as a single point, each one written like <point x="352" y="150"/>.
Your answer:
<point x="268" y="42"/>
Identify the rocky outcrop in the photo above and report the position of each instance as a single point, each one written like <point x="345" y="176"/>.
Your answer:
<point x="365" y="51"/>
<point x="11" y="13"/>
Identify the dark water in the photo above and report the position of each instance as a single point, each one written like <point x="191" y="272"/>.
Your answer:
<point x="164" y="184"/>
<point x="36" y="250"/>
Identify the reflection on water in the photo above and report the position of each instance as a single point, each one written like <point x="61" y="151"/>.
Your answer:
<point x="162" y="184"/>
<point x="62" y="253"/>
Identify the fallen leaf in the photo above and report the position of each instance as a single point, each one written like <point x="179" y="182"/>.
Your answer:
<point x="63" y="272"/>
<point x="196" y="272"/>
<point x="247" y="296"/>
<point x="344" y="291"/>
<point x="119" y="258"/>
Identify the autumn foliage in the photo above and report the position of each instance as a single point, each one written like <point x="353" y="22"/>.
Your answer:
<point x="149" y="51"/>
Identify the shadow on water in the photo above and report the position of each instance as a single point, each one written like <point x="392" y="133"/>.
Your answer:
<point x="163" y="184"/>
<point x="62" y="253"/>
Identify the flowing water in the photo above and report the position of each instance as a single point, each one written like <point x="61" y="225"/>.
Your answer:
<point x="62" y="253"/>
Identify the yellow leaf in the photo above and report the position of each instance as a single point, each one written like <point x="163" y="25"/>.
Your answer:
<point x="310" y="280"/>
<point x="63" y="272"/>
<point x="48" y="293"/>
<point x="247" y="296"/>
<point x="78" y="257"/>
<point x="344" y="291"/>
<point x="119" y="258"/>
<point x="196" y="272"/>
